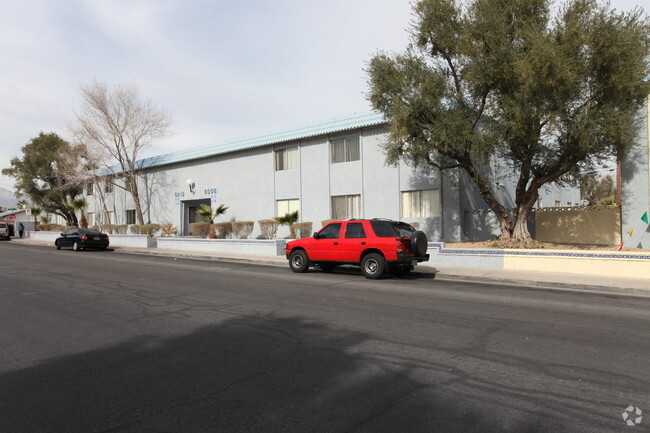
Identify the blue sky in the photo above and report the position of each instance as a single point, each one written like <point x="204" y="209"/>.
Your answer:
<point x="223" y="69"/>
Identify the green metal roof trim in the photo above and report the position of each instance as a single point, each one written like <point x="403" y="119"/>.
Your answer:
<point x="353" y="121"/>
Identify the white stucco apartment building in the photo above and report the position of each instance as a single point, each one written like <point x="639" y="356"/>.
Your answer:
<point x="333" y="169"/>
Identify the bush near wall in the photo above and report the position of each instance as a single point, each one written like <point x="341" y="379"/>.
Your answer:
<point x="223" y="230"/>
<point x="242" y="229"/>
<point x="200" y="229"/>
<point x="168" y="229"/>
<point x="135" y="229"/>
<point x="268" y="228"/>
<point x="301" y="230"/>
<point x="326" y="222"/>
<point x="149" y="229"/>
<point x="51" y="227"/>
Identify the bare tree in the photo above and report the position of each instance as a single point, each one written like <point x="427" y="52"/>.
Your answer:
<point x="115" y="125"/>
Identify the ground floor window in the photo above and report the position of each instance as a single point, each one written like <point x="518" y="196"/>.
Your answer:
<point x="421" y="204"/>
<point x="284" y="207"/>
<point x="346" y="206"/>
<point x="91" y="218"/>
<point x="130" y="216"/>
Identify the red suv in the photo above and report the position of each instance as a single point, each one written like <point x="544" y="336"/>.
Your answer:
<point x="377" y="245"/>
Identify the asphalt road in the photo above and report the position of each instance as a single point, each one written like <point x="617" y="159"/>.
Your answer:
<point x="108" y="342"/>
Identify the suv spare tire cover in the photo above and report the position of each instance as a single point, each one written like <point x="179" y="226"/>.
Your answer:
<point x="419" y="243"/>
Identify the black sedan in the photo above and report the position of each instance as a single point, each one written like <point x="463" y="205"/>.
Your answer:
<point x="81" y="239"/>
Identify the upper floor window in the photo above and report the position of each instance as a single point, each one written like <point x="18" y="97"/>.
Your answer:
<point x="346" y="206"/>
<point x="89" y="189"/>
<point x="286" y="159"/>
<point x="345" y="150"/>
<point x="421" y="204"/>
<point x="108" y="187"/>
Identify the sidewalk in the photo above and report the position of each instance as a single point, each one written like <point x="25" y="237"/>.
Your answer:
<point x="533" y="279"/>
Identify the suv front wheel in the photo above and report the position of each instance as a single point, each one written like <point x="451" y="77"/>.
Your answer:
<point x="373" y="266"/>
<point x="298" y="261"/>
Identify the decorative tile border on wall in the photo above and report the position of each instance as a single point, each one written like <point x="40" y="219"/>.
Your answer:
<point x="636" y="265"/>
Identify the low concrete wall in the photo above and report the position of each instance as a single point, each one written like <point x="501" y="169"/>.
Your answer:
<point x="44" y="236"/>
<point x="134" y="241"/>
<point x="605" y="263"/>
<point x="261" y="247"/>
<point x="463" y="257"/>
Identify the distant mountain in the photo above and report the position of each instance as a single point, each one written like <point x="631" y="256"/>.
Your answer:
<point x="7" y="198"/>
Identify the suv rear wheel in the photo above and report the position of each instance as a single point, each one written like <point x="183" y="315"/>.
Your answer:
<point x="373" y="266"/>
<point x="298" y="261"/>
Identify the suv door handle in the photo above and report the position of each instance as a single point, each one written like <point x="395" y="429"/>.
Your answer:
<point x="336" y="243"/>
<point x="363" y="243"/>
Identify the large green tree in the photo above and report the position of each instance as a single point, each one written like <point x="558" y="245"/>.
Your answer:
<point x="41" y="174"/>
<point x="548" y="94"/>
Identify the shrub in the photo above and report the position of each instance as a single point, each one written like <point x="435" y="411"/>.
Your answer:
<point x="51" y="227"/>
<point x="135" y="229"/>
<point x="200" y="229"/>
<point x="415" y="225"/>
<point x="269" y="228"/>
<point x="242" y="229"/>
<point x="168" y="229"/>
<point x="301" y="230"/>
<point x="149" y="229"/>
<point x="107" y="228"/>
<point x="121" y="229"/>
<point x="326" y="222"/>
<point x="223" y="230"/>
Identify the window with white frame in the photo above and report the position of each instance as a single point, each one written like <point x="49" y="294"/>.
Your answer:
<point x="286" y="159"/>
<point x="345" y="150"/>
<point x="90" y="216"/>
<point x="346" y="206"/>
<point x="89" y="189"/>
<point x="558" y="203"/>
<point x="421" y="204"/>
<point x="284" y="207"/>
<point x="130" y="216"/>
<point x="108" y="187"/>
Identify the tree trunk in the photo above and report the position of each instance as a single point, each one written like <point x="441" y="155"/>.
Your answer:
<point x="520" y="231"/>
<point x="135" y="194"/>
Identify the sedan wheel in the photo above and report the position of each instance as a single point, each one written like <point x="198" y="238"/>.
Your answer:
<point x="76" y="246"/>
<point x="58" y="246"/>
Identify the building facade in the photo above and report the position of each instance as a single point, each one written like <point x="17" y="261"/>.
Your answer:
<point x="333" y="169"/>
<point x="635" y="176"/>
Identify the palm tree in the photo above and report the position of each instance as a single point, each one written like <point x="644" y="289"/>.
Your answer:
<point x="80" y="205"/>
<point x="36" y="211"/>
<point x="288" y="219"/>
<point x="21" y="204"/>
<point x="206" y="212"/>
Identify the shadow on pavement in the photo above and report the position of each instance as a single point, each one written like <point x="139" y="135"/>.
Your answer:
<point x="264" y="374"/>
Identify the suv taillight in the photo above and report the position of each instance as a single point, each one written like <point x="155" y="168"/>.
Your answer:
<point x="401" y="246"/>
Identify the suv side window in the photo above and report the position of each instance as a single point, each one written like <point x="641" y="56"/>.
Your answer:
<point x="355" y="230"/>
<point x="332" y="231"/>
<point x="383" y="229"/>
